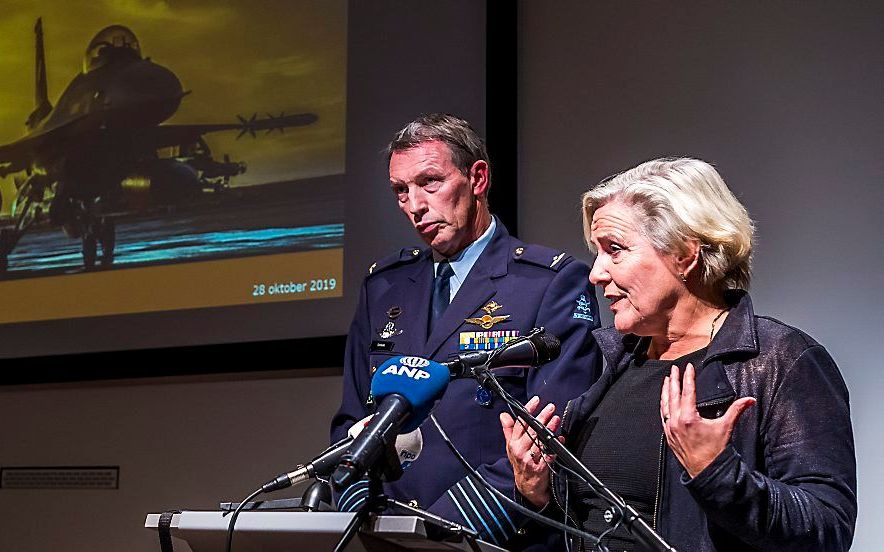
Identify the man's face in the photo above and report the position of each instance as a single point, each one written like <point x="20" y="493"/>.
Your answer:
<point x="440" y="201"/>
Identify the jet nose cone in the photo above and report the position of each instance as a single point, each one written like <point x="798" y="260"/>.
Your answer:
<point x="148" y="80"/>
<point x="148" y="91"/>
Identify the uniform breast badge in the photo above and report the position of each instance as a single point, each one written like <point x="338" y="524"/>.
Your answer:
<point x="483" y="397"/>
<point x="488" y="340"/>
<point x="485" y="341"/>
<point x="389" y="330"/>
<point x="487" y="321"/>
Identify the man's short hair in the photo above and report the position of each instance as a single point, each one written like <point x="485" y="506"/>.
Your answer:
<point x="465" y="144"/>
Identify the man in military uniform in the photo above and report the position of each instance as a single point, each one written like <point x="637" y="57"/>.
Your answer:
<point x="475" y="288"/>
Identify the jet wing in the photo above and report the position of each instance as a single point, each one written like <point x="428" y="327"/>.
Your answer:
<point x="174" y="135"/>
<point x="18" y="156"/>
<point x="12" y="159"/>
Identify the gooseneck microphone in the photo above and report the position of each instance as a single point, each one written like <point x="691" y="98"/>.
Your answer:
<point x="321" y="465"/>
<point x="528" y="351"/>
<point x="406" y="389"/>
<point x="408" y="448"/>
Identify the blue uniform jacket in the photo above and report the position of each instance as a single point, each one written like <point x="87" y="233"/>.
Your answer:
<point x="535" y="286"/>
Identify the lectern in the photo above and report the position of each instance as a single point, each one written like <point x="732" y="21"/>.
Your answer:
<point x="268" y="531"/>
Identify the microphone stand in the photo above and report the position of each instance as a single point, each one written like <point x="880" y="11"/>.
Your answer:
<point x="649" y="539"/>
<point x="376" y="502"/>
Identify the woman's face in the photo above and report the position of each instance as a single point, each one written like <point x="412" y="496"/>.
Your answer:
<point x="642" y="284"/>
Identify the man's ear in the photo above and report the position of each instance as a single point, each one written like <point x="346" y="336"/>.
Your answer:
<point x="478" y="176"/>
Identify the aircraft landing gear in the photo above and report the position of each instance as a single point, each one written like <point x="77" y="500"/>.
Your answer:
<point x="8" y="239"/>
<point x="100" y="233"/>
<point x="107" y="238"/>
<point x="7" y="244"/>
<point x="90" y="245"/>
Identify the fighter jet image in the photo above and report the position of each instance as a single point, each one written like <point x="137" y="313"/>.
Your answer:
<point x="105" y="127"/>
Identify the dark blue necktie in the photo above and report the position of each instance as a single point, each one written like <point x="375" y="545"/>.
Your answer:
<point x="441" y="292"/>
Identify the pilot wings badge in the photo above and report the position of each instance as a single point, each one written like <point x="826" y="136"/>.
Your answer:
<point x="487" y="321"/>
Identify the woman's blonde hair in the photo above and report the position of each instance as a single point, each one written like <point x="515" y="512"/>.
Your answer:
<point x="678" y="199"/>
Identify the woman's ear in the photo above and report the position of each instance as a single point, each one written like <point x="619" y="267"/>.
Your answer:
<point x="687" y="262"/>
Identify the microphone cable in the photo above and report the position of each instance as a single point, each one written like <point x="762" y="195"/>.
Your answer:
<point x="510" y="502"/>
<point x="614" y="504"/>
<point x="602" y="492"/>
<point x="233" y="517"/>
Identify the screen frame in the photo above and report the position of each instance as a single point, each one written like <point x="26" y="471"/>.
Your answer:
<point x="235" y="359"/>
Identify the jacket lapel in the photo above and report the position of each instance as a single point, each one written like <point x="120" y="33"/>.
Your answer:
<point x="477" y="289"/>
<point x="413" y="322"/>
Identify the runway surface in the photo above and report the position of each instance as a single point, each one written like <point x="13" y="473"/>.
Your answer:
<point x="258" y="220"/>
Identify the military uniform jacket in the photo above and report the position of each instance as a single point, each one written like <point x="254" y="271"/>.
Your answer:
<point x="529" y="285"/>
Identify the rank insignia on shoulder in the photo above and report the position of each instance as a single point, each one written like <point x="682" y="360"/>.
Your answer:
<point x="487" y="321"/>
<point x="583" y="311"/>
<point x="389" y="330"/>
<point x="557" y="258"/>
<point x="485" y="341"/>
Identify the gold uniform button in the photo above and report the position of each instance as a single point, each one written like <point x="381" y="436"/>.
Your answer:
<point x="415" y="252"/>
<point x="519" y="251"/>
<point x="413" y="503"/>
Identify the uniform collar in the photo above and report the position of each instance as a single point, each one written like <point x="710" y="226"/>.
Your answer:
<point x="463" y="262"/>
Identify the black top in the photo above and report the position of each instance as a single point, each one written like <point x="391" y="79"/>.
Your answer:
<point x="622" y="444"/>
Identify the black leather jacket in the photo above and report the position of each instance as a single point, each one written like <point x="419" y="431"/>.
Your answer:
<point x="787" y="481"/>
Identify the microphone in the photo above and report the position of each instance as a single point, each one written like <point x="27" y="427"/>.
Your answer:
<point x="528" y="351"/>
<point x="406" y="389"/>
<point x="408" y="448"/>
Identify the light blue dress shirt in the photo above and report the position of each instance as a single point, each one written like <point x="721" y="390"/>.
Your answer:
<point x="463" y="262"/>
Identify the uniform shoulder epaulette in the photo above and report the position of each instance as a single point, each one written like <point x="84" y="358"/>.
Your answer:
<point x="404" y="256"/>
<point x="539" y="255"/>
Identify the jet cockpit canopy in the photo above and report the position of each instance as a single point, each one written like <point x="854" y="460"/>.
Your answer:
<point x="111" y="43"/>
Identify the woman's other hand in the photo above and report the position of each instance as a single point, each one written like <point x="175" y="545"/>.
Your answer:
<point x="695" y="441"/>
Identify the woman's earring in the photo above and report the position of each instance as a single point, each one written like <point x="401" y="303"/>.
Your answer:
<point x="681" y="275"/>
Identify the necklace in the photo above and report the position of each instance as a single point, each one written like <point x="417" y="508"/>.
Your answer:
<point x="714" y="320"/>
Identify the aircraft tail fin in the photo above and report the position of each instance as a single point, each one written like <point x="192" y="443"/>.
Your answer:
<point x="42" y="107"/>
